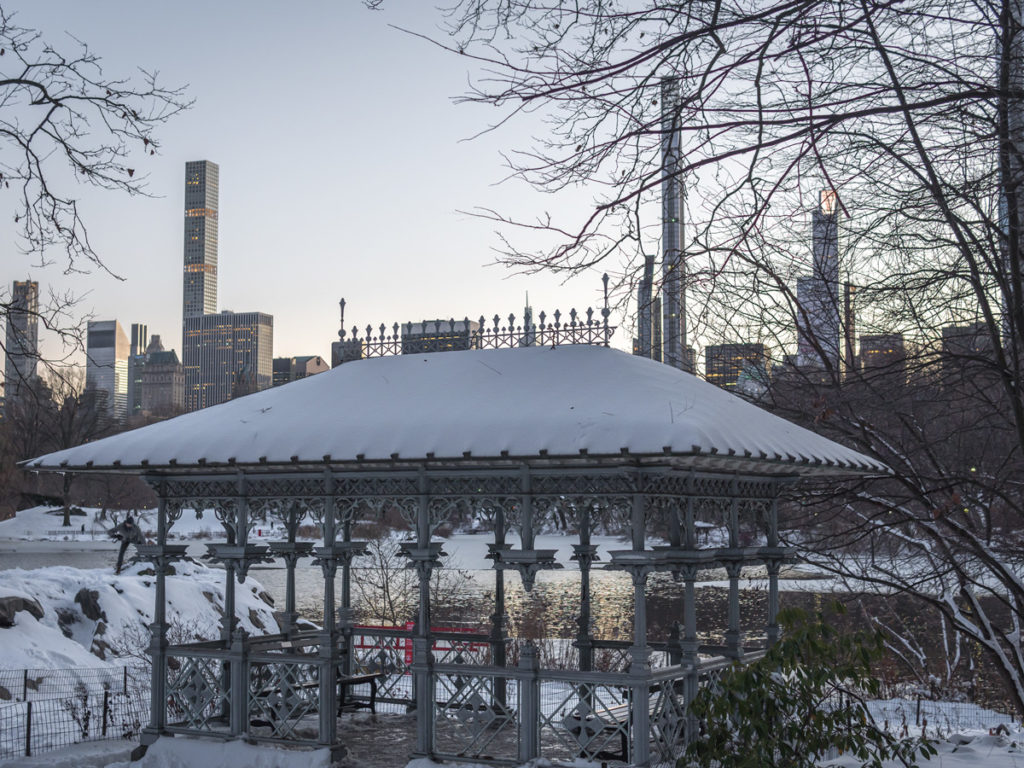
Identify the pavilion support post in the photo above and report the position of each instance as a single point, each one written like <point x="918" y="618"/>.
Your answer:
<point x="585" y="554"/>
<point x="733" y="635"/>
<point x="328" y="636"/>
<point x="497" y="638"/>
<point x="690" y="646"/>
<point x="158" y="632"/>
<point x="675" y="540"/>
<point x="291" y="559"/>
<point x="237" y="685"/>
<point x="345" y="614"/>
<point x="422" y="655"/>
<point x="227" y="624"/>
<point x="640" y="653"/>
<point x="640" y="671"/>
<point x="239" y="689"/>
<point x="529" y="713"/>
<point x="772" y="632"/>
<point x="690" y="642"/>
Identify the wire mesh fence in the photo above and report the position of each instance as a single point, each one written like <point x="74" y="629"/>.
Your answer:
<point x="39" y="684"/>
<point x="53" y="708"/>
<point x="935" y="718"/>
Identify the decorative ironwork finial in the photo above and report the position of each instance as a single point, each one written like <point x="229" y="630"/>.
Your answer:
<point x="605" y="311"/>
<point x="341" y="327"/>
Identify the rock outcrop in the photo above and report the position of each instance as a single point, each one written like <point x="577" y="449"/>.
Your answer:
<point x="9" y="606"/>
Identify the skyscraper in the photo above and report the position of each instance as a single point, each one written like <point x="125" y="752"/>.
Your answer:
<point x="967" y="354"/>
<point x="723" y="363"/>
<point x="673" y="266"/>
<point x="218" y="349"/>
<point x="884" y="354"/>
<point x="136" y="362"/>
<point x="202" y="195"/>
<point x="817" y="321"/>
<point x="22" y="346"/>
<point x="106" y="367"/>
<point x="644" y="307"/>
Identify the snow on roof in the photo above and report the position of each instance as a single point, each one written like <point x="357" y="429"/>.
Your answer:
<point x="479" y="404"/>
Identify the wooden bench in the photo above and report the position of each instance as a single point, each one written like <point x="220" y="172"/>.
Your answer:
<point x="344" y="683"/>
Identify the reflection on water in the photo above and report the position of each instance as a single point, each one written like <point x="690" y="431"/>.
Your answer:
<point x="552" y="608"/>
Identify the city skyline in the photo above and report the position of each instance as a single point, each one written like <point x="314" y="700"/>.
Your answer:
<point x="308" y="183"/>
<point x="325" y="201"/>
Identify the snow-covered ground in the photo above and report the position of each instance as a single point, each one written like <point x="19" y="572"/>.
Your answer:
<point x="67" y="636"/>
<point x="980" y="751"/>
<point x="46" y="524"/>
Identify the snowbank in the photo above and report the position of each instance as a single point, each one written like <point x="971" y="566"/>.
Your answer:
<point x="190" y="753"/>
<point x="112" y="612"/>
<point x="962" y="751"/>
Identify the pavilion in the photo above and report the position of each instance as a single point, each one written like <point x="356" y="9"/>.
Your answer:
<point x="515" y="436"/>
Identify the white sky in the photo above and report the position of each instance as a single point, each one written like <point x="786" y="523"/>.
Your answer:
<point x="342" y="168"/>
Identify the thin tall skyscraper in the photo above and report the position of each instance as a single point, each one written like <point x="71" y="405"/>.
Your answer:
<point x="672" y="265"/>
<point x="644" y="302"/>
<point x="202" y="196"/>
<point x="818" y="297"/>
<point x="22" y="338"/>
<point x="222" y="353"/>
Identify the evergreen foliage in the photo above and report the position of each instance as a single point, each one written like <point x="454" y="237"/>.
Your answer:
<point x="806" y="697"/>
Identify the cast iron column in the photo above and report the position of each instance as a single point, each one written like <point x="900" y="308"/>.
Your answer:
<point x="585" y="554"/>
<point x="328" y="636"/>
<point x="497" y="639"/>
<point x="422" y="655"/>
<point x="774" y="565"/>
<point x="158" y="630"/>
<point x="733" y="637"/>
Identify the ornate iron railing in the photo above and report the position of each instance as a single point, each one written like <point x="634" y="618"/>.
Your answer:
<point x="478" y="711"/>
<point x="588" y="327"/>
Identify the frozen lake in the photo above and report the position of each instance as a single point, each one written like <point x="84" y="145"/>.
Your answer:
<point x="551" y="607"/>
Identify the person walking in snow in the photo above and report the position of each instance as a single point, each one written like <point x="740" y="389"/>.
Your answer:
<point x="127" y="532"/>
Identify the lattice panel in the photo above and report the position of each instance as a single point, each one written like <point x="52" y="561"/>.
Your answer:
<point x="584" y="720"/>
<point x="281" y="695"/>
<point x="196" y="696"/>
<point x="475" y="717"/>
<point x="612" y="659"/>
<point x="711" y="678"/>
<point x="463" y="486"/>
<point x="668" y="719"/>
<point x="471" y="652"/>
<point x="390" y="655"/>
<point x="585" y="486"/>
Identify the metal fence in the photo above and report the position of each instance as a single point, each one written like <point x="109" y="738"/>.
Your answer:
<point x="38" y="684"/>
<point x="53" y="708"/>
<point x="935" y="719"/>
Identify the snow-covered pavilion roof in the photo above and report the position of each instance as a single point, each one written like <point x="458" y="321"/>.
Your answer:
<point x="537" y="403"/>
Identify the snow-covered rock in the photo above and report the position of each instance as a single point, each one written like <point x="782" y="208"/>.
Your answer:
<point x="93" y="617"/>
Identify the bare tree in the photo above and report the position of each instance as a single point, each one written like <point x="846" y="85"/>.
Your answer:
<point x="66" y="125"/>
<point x="912" y="115"/>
